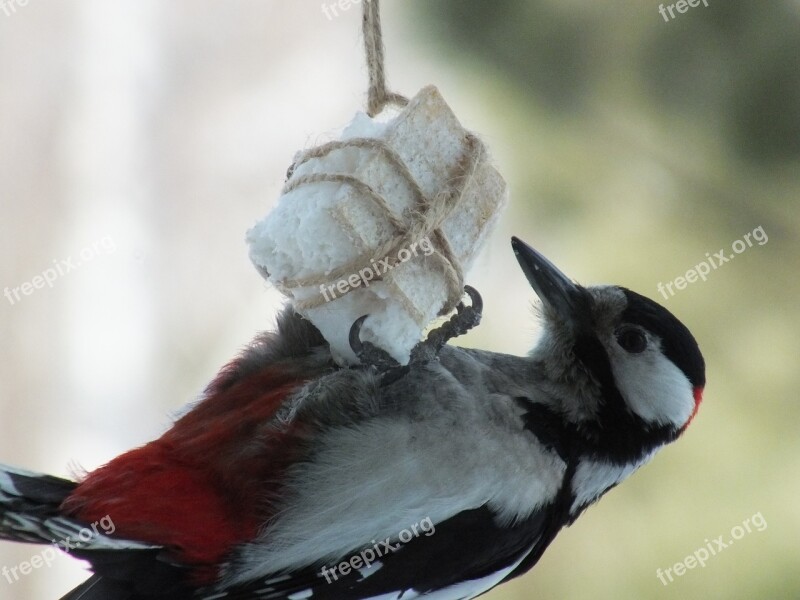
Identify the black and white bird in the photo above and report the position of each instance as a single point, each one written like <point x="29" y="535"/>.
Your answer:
<point x="296" y="479"/>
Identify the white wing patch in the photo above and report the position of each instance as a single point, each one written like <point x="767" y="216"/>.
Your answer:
<point x="370" y="570"/>
<point x="460" y="591"/>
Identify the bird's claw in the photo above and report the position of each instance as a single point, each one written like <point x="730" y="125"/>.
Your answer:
<point x="466" y="318"/>
<point x="367" y="352"/>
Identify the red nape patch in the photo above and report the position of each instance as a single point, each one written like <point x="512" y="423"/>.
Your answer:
<point x="698" y="398"/>
<point x="205" y="485"/>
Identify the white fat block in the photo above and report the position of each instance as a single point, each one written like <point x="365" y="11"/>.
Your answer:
<point x="320" y="227"/>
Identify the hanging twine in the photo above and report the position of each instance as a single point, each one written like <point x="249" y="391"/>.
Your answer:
<point x="427" y="215"/>
<point x="377" y="95"/>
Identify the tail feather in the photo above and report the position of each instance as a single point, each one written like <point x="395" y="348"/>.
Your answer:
<point x="28" y="501"/>
<point x="124" y="569"/>
<point x="30" y="512"/>
<point x="44" y="490"/>
<point x="98" y="588"/>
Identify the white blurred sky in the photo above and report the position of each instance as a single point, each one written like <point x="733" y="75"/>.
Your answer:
<point x="167" y="128"/>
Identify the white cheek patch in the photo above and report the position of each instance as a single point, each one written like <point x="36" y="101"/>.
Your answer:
<point x="653" y="387"/>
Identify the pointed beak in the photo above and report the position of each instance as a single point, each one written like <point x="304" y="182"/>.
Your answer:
<point x="567" y="299"/>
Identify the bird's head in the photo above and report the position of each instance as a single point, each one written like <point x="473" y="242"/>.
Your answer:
<point x="626" y="371"/>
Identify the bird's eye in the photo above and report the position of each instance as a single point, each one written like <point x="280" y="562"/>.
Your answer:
<point x="632" y="340"/>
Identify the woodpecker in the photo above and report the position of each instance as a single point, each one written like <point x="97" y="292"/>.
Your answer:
<point x="294" y="478"/>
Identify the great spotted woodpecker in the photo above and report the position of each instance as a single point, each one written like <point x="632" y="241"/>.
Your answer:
<point x="294" y="478"/>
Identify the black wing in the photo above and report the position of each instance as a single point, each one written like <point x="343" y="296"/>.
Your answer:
<point x="462" y="557"/>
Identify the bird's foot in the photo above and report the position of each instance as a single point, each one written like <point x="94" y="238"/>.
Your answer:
<point x="466" y="318"/>
<point x="367" y="352"/>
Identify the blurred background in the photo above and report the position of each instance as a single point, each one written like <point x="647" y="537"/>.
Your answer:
<point x="140" y="139"/>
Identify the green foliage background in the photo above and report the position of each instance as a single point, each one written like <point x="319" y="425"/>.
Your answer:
<point x="638" y="145"/>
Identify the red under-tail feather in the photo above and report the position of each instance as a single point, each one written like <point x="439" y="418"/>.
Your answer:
<point x="192" y="489"/>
